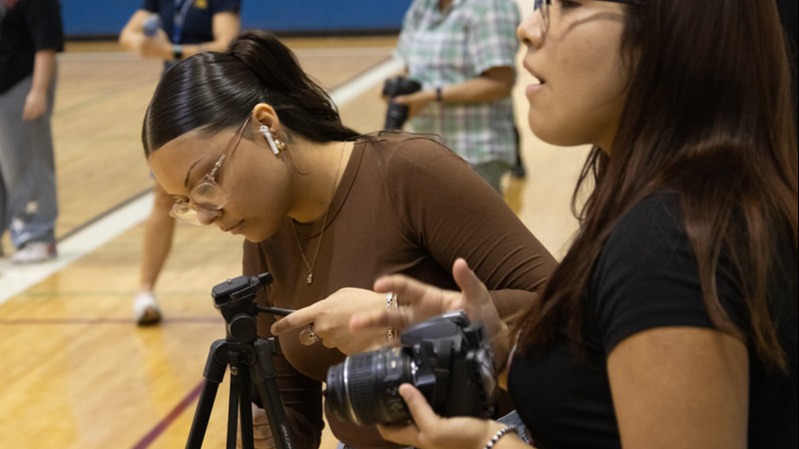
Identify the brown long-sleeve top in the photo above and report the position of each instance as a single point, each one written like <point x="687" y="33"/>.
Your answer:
<point x="405" y="204"/>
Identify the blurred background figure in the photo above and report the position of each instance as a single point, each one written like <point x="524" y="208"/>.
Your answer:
<point x="31" y="34"/>
<point x="171" y="30"/>
<point x="462" y="52"/>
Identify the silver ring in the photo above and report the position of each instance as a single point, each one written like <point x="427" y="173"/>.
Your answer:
<point x="307" y="336"/>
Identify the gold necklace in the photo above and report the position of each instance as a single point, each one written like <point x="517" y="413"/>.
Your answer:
<point x="310" y="266"/>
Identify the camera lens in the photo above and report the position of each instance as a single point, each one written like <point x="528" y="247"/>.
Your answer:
<point x="364" y="388"/>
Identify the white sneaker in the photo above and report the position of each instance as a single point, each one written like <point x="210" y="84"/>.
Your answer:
<point x="33" y="252"/>
<point x="145" y="309"/>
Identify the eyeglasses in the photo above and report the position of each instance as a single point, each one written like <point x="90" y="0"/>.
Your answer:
<point x="207" y="198"/>
<point x="543" y="6"/>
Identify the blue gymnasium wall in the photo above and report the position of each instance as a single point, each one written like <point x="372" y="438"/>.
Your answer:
<point x="105" y="18"/>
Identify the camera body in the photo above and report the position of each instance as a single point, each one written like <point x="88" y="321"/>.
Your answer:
<point x="448" y="358"/>
<point x="397" y="114"/>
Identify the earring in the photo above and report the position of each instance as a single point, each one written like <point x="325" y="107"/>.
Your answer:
<point x="275" y="144"/>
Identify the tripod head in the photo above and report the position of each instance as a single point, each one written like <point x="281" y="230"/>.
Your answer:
<point x="234" y="298"/>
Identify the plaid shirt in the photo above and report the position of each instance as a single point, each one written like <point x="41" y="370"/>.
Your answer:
<point x="442" y="48"/>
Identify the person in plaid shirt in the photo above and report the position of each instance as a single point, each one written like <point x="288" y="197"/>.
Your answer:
<point x="463" y="54"/>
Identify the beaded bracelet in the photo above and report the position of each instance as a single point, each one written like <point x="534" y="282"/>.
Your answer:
<point x="501" y="433"/>
<point x="391" y="304"/>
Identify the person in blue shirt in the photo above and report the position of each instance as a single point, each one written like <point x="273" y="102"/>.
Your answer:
<point x="171" y="30"/>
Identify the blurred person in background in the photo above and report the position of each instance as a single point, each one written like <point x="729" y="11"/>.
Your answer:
<point x="171" y="30"/>
<point x="31" y="33"/>
<point x="463" y="52"/>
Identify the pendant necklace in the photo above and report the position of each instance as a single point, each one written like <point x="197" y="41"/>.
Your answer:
<point x="310" y="266"/>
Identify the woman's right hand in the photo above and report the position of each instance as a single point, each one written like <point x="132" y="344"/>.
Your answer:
<point x="418" y="302"/>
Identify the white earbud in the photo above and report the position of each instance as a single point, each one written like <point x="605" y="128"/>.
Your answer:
<point x="269" y="140"/>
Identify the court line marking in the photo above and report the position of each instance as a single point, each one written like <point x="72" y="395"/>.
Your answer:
<point x="148" y="439"/>
<point x="15" y="279"/>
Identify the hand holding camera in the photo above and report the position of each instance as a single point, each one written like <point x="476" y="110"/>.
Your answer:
<point x="431" y="430"/>
<point x="449" y="343"/>
<point x="447" y="358"/>
<point x="397" y="114"/>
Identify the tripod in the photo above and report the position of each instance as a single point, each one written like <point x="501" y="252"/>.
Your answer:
<point x="250" y="360"/>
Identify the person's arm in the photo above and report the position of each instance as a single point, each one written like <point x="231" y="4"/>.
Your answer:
<point x="442" y="203"/>
<point x="226" y="25"/>
<point x="132" y="37"/>
<point x="676" y="380"/>
<point x="44" y="68"/>
<point x="494" y="84"/>
<point x="681" y="388"/>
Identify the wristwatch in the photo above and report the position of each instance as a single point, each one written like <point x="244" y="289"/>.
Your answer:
<point x="177" y="52"/>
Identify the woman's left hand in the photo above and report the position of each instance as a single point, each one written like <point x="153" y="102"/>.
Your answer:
<point x="429" y="430"/>
<point x="329" y="320"/>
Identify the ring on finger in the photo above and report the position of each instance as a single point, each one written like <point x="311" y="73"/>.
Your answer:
<point x="307" y="336"/>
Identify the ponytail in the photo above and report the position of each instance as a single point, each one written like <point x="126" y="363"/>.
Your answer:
<point x="216" y="91"/>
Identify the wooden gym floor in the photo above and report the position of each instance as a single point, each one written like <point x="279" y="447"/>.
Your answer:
<point x="76" y="373"/>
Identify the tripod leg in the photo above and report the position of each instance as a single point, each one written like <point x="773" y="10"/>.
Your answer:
<point x="263" y="375"/>
<point x="245" y="404"/>
<point x="236" y="388"/>
<point x="214" y="373"/>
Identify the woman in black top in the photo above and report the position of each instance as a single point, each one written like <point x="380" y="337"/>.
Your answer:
<point x="672" y="320"/>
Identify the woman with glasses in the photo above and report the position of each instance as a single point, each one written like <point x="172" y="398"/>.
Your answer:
<point x="672" y="320"/>
<point x="245" y="141"/>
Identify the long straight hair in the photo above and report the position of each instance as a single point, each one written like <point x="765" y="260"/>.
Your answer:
<point x="709" y="115"/>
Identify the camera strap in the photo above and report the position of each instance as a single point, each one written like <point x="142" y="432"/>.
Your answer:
<point x="181" y="11"/>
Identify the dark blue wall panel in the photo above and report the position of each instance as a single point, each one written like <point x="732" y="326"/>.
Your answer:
<point x="96" y="17"/>
<point x="104" y="18"/>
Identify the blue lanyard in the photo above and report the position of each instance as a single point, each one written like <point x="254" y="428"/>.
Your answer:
<point x="181" y="11"/>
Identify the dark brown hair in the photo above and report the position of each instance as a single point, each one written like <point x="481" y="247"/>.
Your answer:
<point x="216" y="91"/>
<point x="709" y="116"/>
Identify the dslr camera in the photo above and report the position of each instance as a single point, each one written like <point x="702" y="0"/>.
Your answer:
<point x="448" y="358"/>
<point x="397" y="114"/>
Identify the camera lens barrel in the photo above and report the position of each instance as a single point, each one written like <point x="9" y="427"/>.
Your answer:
<point x="364" y="389"/>
<point x="447" y="358"/>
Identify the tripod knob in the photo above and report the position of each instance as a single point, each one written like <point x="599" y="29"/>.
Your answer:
<point x="242" y="328"/>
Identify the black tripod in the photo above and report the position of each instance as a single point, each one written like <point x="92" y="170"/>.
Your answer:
<point x="250" y="360"/>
